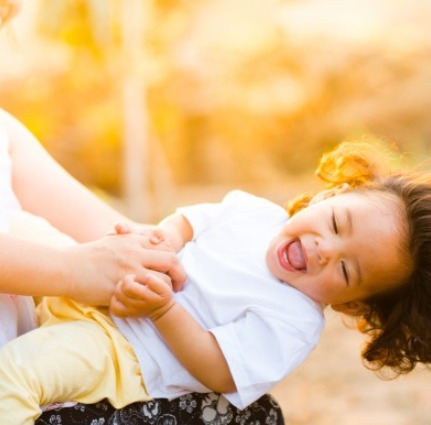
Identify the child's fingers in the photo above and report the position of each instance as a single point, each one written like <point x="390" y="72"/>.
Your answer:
<point x="162" y="277"/>
<point x="157" y="285"/>
<point x="132" y="298"/>
<point x="148" y="287"/>
<point x="125" y="301"/>
<point x="147" y="296"/>
<point x="128" y="308"/>
<point x="117" y="308"/>
<point x="129" y="289"/>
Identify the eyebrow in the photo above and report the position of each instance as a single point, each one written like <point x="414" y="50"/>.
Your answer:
<point x="350" y="230"/>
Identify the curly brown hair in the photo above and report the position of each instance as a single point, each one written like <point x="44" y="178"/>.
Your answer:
<point x="397" y="322"/>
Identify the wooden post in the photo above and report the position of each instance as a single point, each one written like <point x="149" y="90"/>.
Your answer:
<point x="135" y="116"/>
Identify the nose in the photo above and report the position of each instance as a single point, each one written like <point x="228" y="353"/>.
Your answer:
<point x="326" y="249"/>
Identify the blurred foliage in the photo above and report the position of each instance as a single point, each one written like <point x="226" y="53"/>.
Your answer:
<point x="238" y="92"/>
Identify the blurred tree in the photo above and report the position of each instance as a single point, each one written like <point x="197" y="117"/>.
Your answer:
<point x="135" y="116"/>
<point x="242" y="93"/>
<point x="106" y="39"/>
<point x="83" y="104"/>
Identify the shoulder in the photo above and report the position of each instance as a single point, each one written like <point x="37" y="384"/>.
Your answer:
<point x="248" y="202"/>
<point x="246" y="198"/>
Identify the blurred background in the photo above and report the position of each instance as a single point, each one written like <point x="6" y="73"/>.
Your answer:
<point x="153" y="104"/>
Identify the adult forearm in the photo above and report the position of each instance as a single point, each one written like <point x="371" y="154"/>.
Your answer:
<point x="45" y="189"/>
<point x="50" y="192"/>
<point x="29" y="268"/>
<point x="196" y="348"/>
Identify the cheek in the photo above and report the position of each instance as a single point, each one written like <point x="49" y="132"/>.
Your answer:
<point x="326" y="287"/>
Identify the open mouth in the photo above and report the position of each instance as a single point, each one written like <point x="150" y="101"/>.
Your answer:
<point x="291" y="256"/>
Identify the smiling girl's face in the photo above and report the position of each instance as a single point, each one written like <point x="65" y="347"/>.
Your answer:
<point x="344" y="248"/>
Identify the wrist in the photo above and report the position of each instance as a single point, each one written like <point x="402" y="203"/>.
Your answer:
<point x="67" y="273"/>
<point x="162" y="311"/>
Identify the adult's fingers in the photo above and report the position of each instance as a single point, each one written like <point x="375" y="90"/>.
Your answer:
<point x="166" y="262"/>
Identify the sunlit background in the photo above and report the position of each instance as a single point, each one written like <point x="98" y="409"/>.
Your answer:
<point x="157" y="103"/>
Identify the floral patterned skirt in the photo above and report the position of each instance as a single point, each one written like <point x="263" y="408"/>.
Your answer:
<point x="190" y="409"/>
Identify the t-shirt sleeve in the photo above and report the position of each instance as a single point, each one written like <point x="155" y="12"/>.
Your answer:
<point x="200" y="216"/>
<point x="203" y="216"/>
<point x="262" y="349"/>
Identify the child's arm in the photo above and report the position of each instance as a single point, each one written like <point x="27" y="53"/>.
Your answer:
<point x="178" y="230"/>
<point x="195" y="347"/>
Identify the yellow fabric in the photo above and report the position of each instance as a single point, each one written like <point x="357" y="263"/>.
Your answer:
<point x="73" y="360"/>
<point x="76" y="355"/>
<point x="123" y="379"/>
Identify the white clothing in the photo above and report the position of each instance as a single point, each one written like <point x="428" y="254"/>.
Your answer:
<point x="17" y="313"/>
<point x="264" y="327"/>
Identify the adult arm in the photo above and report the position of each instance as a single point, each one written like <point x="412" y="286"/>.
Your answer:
<point x="45" y="189"/>
<point x="88" y="272"/>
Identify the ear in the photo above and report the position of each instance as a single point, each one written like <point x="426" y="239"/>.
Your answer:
<point x="324" y="194"/>
<point x="352" y="308"/>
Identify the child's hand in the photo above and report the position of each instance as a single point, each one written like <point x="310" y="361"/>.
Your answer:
<point x="150" y="297"/>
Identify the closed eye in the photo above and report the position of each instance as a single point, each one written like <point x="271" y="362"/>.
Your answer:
<point x="334" y="223"/>
<point x="345" y="273"/>
<point x="343" y="264"/>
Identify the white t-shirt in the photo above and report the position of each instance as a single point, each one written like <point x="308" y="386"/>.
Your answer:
<point x="264" y="327"/>
<point x="17" y="313"/>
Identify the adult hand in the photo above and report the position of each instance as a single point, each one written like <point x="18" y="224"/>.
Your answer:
<point x="93" y="269"/>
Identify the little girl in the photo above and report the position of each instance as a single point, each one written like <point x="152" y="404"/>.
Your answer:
<point x="251" y="308"/>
